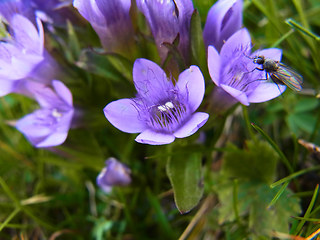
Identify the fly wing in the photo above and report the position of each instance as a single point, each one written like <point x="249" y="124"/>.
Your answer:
<point x="288" y="77"/>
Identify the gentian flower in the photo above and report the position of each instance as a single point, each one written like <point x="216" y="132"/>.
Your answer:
<point x="234" y="72"/>
<point x="161" y="110"/>
<point x="224" y="19"/>
<point x="23" y="57"/>
<point x="114" y="174"/>
<point x="167" y="19"/>
<point x="49" y="125"/>
<point x="111" y="21"/>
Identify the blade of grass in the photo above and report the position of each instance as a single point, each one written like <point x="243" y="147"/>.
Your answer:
<point x="278" y="195"/>
<point x="294" y="175"/>
<point x="302" y="29"/>
<point x="307" y="214"/>
<point x="9" y="218"/>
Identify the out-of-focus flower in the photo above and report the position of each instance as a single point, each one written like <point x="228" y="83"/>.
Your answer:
<point x="53" y="11"/>
<point x="49" y="125"/>
<point x="23" y="56"/>
<point x="9" y="8"/>
<point x="114" y="174"/>
<point x="161" y="110"/>
<point x="234" y="72"/>
<point x="224" y="19"/>
<point x="167" y="19"/>
<point x="111" y="21"/>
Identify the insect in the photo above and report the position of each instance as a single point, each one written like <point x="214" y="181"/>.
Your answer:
<point x="279" y="73"/>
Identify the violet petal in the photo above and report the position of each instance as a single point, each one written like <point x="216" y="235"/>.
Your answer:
<point x="237" y="94"/>
<point x="196" y="121"/>
<point x="191" y="85"/>
<point x="214" y="65"/>
<point x="123" y="114"/>
<point x="266" y="91"/>
<point x="154" y="138"/>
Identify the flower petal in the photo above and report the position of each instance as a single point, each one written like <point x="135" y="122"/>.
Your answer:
<point x="90" y="11"/>
<point x="191" y="85"/>
<point x="123" y="114"/>
<point x="26" y="34"/>
<point x="237" y="94"/>
<point x="150" y="80"/>
<point x="62" y="91"/>
<point x="224" y="18"/>
<point x="272" y="53"/>
<point x="240" y="41"/>
<point x="265" y="92"/>
<point x="196" y="121"/>
<point x="7" y="87"/>
<point x="214" y="65"/>
<point x="154" y="138"/>
<point x="54" y="139"/>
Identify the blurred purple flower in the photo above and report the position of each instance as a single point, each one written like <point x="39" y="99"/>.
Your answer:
<point x="23" y="56"/>
<point x="233" y="71"/>
<point x="167" y="19"/>
<point x="50" y="10"/>
<point x="114" y="174"/>
<point x="49" y="125"/>
<point x="9" y="8"/>
<point x="161" y="110"/>
<point x="111" y="21"/>
<point x="224" y="19"/>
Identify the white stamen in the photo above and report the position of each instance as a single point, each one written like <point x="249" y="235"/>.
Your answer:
<point x="55" y="113"/>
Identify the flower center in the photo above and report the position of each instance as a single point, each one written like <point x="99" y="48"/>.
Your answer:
<point x="168" y="116"/>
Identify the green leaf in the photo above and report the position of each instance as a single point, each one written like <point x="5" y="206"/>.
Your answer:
<point x="306" y="104"/>
<point x="73" y="43"/>
<point x="253" y="200"/>
<point x="99" y="64"/>
<point x="196" y="41"/>
<point x="305" y="122"/>
<point x="185" y="174"/>
<point x="257" y="162"/>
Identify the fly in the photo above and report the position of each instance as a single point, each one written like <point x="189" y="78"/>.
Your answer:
<point x="279" y="73"/>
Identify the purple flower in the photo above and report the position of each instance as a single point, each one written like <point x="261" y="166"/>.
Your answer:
<point x="224" y="19"/>
<point x="167" y="19"/>
<point x="8" y="8"/>
<point x="114" y="174"/>
<point x="23" y="56"/>
<point x="234" y="72"/>
<point x="49" y="125"/>
<point x="111" y="21"/>
<point x="161" y="110"/>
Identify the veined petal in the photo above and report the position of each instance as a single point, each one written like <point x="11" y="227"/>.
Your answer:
<point x="149" y="79"/>
<point x="266" y="91"/>
<point x="191" y="85"/>
<point x="240" y="41"/>
<point x="196" y="121"/>
<point x="154" y="138"/>
<point x="224" y="18"/>
<point x="90" y="11"/>
<point x="214" y="65"/>
<point x="272" y="53"/>
<point x="124" y="115"/>
<point x="162" y="18"/>
<point x="237" y="94"/>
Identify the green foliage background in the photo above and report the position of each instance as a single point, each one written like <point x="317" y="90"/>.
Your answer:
<point x="247" y="181"/>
